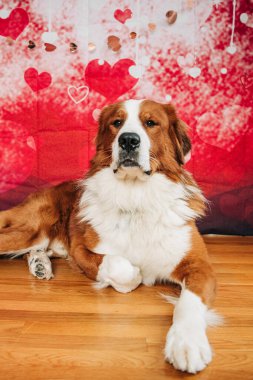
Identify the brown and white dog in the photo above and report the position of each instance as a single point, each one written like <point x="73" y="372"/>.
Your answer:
<point x="130" y="221"/>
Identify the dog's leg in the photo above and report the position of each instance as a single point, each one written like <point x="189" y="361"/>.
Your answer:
<point x="118" y="272"/>
<point x="19" y="231"/>
<point x="39" y="264"/>
<point x="187" y="346"/>
<point x="107" y="270"/>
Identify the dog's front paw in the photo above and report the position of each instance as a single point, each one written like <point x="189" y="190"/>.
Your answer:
<point x="118" y="272"/>
<point x="187" y="349"/>
<point x="40" y="265"/>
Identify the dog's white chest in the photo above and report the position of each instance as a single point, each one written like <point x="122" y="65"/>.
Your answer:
<point x="142" y="221"/>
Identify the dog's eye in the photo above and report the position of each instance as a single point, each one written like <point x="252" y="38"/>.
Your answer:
<point x="150" y="123"/>
<point x="117" y="123"/>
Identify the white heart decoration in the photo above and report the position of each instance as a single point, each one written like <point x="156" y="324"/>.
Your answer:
<point x="231" y="49"/>
<point x="78" y="94"/>
<point x="185" y="61"/>
<point x="194" y="72"/>
<point x="4" y="13"/>
<point x="136" y="71"/>
<point x="30" y="142"/>
<point x="168" y="98"/>
<point x="244" y="18"/>
<point x="49" y="37"/>
<point x="96" y="113"/>
<point x="181" y="60"/>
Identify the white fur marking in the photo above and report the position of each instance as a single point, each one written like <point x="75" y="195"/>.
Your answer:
<point x="145" y="222"/>
<point x="119" y="273"/>
<point x="58" y="248"/>
<point x="133" y="124"/>
<point x="187" y="346"/>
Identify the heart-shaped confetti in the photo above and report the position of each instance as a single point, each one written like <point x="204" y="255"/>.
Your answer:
<point x="49" y="37"/>
<point x="244" y="18"/>
<point x="91" y="46"/>
<point x="4" y="13"/>
<point x="14" y="25"/>
<point x="96" y="113"/>
<point x="231" y="49"/>
<point x="49" y="47"/>
<point x="31" y="45"/>
<point x="152" y="26"/>
<point x="78" y="94"/>
<point x="37" y="81"/>
<point x="122" y="16"/>
<point x="194" y="72"/>
<point x="31" y="142"/>
<point x="184" y="61"/>
<point x="110" y="81"/>
<point x="113" y="43"/>
<point x="171" y="17"/>
<point x="73" y="47"/>
<point x="133" y="35"/>
<point x="9" y="41"/>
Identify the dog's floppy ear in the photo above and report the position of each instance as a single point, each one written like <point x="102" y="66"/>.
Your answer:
<point x="102" y="123"/>
<point x="182" y="140"/>
<point x="178" y="135"/>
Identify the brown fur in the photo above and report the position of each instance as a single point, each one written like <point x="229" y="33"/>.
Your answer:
<point x="196" y="270"/>
<point x="53" y="213"/>
<point x="43" y="214"/>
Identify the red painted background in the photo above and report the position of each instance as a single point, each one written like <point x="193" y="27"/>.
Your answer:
<point x="50" y="97"/>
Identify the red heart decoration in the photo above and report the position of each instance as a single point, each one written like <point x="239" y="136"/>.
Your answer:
<point x="49" y="47"/>
<point x="122" y="16"/>
<point x="37" y="81"/>
<point x="14" y="25"/>
<point x="110" y="81"/>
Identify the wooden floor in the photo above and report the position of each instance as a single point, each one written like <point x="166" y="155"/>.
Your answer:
<point x="64" y="329"/>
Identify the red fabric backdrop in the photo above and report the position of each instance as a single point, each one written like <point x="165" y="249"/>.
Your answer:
<point x="51" y="92"/>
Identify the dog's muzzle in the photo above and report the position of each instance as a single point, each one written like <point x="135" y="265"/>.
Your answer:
<point x="129" y="143"/>
<point x="130" y="155"/>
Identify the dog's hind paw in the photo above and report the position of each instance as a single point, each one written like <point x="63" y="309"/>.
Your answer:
<point x="40" y="265"/>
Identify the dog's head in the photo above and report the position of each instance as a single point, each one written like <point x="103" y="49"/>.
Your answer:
<point x="139" y="137"/>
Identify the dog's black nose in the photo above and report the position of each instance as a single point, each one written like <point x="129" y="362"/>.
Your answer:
<point x="129" y="141"/>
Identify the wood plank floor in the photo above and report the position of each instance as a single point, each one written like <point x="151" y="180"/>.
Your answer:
<point x="64" y="329"/>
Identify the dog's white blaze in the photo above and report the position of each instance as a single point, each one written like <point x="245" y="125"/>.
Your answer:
<point x="145" y="222"/>
<point x="133" y="124"/>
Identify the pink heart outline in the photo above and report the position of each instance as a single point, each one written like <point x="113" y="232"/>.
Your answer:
<point x="77" y="101"/>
